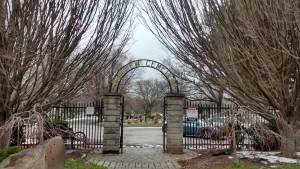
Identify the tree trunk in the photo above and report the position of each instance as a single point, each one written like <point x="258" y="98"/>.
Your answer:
<point x="3" y="117"/>
<point x="288" y="137"/>
<point x="297" y="142"/>
<point x="234" y="143"/>
<point x="6" y="132"/>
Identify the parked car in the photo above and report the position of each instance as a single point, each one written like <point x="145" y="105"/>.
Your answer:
<point x="218" y="121"/>
<point x="194" y="127"/>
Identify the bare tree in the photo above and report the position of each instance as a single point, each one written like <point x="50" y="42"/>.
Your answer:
<point x="149" y="94"/>
<point x="99" y="84"/>
<point x="248" y="47"/>
<point x="194" y="84"/>
<point x="50" y="48"/>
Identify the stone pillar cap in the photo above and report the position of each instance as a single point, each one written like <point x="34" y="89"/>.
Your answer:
<point x="113" y="94"/>
<point x="174" y="95"/>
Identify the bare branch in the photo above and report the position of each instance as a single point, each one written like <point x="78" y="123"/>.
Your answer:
<point x="50" y="48"/>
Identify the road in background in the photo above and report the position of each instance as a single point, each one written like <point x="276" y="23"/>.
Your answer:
<point x="143" y="136"/>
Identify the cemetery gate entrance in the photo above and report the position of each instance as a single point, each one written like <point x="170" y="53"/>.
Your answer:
<point x="114" y="110"/>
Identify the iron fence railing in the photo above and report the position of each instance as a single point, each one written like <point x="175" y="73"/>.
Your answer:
<point x="80" y="125"/>
<point x="211" y="127"/>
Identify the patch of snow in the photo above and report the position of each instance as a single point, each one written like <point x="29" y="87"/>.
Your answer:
<point x="273" y="166"/>
<point x="83" y="156"/>
<point x="144" y="146"/>
<point x="230" y="157"/>
<point x="212" y="146"/>
<point x="271" y="157"/>
<point x="70" y="151"/>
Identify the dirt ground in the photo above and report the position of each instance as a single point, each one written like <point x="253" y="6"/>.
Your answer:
<point x="78" y="154"/>
<point x="207" y="161"/>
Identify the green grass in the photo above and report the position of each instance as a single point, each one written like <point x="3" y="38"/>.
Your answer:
<point x="8" y="151"/>
<point x="246" y="166"/>
<point x="289" y="166"/>
<point x="79" y="164"/>
<point x="243" y="165"/>
<point x="143" y="124"/>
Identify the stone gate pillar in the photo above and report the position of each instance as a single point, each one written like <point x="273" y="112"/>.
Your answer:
<point x="174" y="115"/>
<point x="111" y="123"/>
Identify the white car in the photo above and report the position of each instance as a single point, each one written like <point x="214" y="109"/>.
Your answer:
<point x="84" y="119"/>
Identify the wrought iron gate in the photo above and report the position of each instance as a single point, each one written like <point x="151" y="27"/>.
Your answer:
<point x="207" y="126"/>
<point x="121" y="122"/>
<point x="83" y="119"/>
<point x="164" y="122"/>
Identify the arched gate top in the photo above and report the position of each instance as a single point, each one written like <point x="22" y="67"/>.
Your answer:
<point x="145" y="63"/>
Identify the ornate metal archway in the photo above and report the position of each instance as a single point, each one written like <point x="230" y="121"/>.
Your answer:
<point x="114" y="87"/>
<point x="114" y="110"/>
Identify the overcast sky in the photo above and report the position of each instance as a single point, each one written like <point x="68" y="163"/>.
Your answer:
<point x="146" y="46"/>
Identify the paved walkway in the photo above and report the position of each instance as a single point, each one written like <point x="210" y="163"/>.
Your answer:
<point x="140" y="158"/>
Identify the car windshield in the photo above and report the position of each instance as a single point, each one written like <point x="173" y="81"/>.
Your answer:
<point x="186" y="119"/>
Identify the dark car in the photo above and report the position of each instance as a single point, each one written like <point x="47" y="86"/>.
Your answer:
<point x="195" y="127"/>
<point x="218" y="121"/>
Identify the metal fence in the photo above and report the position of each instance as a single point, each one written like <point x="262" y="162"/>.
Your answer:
<point x="205" y="126"/>
<point x="82" y="125"/>
<point x="208" y="126"/>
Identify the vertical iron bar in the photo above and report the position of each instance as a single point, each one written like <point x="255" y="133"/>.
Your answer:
<point x="93" y="123"/>
<point x="186" y="144"/>
<point x="209" y="139"/>
<point x="87" y="121"/>
<point x="164" y="125"/>
<point x="96" y="107"/>
<point x="77" y="116"/>
<point x="81" y="122"/>
<point x="101" y="120"/>
<point x="121" y="123"/>
<point x="71" y="122"/>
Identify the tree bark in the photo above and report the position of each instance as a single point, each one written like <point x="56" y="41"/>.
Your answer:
<point x="3" y="116"/>
<point x="297" y="143"/>
<point x="288" y="137"/>
<point x="234" y="143"/>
